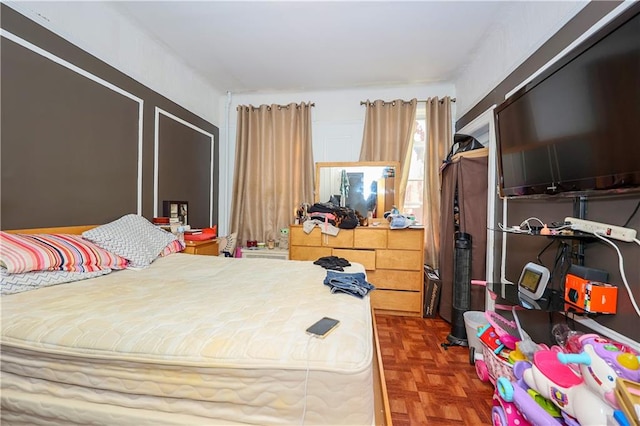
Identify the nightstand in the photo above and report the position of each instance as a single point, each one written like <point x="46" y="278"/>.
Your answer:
<point x="204" y="247"/>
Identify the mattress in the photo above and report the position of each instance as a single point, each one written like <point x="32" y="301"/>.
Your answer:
<point x="189" y="340"/>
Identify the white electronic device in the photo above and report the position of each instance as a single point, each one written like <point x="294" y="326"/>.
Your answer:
<point x="533" y="280"/>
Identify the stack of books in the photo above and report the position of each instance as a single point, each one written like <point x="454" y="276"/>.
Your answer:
<point x="162" y="223"/>
<point x="200" y="234"/>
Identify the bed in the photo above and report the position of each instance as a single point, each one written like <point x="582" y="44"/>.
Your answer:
<point x="190" y="340"/>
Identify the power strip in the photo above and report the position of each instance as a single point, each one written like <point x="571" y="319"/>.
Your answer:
<point x="611" y="231"/>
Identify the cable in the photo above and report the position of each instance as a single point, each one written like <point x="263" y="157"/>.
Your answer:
<point x="526" y="222"/>
<point x="632" y="215"/>
<point x="637" y="241"/>
<point x="525" y="227"/>
<point x="306" y="381"/>
<point x="543" y="250"/>
<point x="560" y="264"/>
<point x="621" y="266"/>
<point x="513" y="229"/>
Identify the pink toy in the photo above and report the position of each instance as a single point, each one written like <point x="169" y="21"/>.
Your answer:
<point x="506" y="329"/>
<point x="531" y="411"/>
<point x="560" y="384"/>
<point x="609" y="360"/>
<point x="506" y="413"/>
<point x="585" y="392"/>
<point x="491" y="366"/>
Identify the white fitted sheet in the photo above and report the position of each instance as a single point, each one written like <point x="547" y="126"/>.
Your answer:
<point x="189" y="340"/>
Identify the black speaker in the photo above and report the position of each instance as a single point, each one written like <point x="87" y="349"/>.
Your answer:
<point x="461" y="288"/>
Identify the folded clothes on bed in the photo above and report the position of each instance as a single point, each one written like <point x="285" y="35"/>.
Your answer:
<point x="355" y="284"/>
<point x="333" y="262"/>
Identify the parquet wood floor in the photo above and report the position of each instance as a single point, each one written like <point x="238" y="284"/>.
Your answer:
<point x="426" y="383"/>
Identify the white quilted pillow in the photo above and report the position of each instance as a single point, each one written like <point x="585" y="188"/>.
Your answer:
<point x="132" y="237"/>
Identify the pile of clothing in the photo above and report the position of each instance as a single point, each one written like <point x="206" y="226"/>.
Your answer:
<point x="355" y="283"/>
<point x="333" y="262"/>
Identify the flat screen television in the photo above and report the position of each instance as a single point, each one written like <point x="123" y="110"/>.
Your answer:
<point x="575" y="129"/>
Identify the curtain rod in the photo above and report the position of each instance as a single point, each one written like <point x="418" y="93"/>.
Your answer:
<point x="420" y="100"/>
<point x="269" y="106"/>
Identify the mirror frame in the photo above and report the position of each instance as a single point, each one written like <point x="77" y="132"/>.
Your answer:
<point x="356" y="164"/>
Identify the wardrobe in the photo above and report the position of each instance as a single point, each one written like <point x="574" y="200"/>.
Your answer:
<point x="464" y="209"/>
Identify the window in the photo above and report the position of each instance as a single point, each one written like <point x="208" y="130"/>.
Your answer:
<point x="413" y="203"/>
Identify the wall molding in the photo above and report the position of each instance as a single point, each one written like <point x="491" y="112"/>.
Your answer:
<point x="156" y="145"/>
<point x="80" y="71"/>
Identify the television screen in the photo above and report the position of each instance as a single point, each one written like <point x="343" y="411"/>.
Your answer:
<point x="575" y="129"/>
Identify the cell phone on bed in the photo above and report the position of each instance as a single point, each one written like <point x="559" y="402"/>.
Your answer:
<point x="323" y="327"/>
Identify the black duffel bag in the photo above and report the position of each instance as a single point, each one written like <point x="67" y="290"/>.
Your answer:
<point x="327" y="207"/>
<point x="346" y="218"/>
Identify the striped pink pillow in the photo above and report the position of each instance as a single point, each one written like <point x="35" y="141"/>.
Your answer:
<point x="54" y="252"/>
<point x="174" y="246"/>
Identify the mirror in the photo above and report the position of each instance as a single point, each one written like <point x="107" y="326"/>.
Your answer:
<point x="365" y="186"/>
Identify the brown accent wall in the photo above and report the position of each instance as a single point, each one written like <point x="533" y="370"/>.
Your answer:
<point x="597" y="254"/>
<point x="615" y="210"/>
<point x="184" y="168"/>
<point x="70" y="145"/>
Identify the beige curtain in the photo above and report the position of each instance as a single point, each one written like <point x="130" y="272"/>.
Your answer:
<point x="388" y="136"/>
<point x="274" y="169"/>
<point x="438" y="143"/>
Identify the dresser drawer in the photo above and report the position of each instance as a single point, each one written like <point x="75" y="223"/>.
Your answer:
<point x="406" y="239"/>
<point x="392" y="300"/>
<point x="344" y="239"/>
<point x="393" y="260"/>
<point x="370" y="238"/>
<point x="366" y="257"/>
<point x="399" y="259"/>
<point x="297" y="237"/>
<point x="395" y="280"/>
<point x="308" y="253"/>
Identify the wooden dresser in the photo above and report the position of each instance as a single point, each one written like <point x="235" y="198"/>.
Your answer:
<point x="393" y="259"/>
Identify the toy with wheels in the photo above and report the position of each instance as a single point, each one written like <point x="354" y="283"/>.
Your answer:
<point x="554" y="380"/>
<point x="505" y="412"/>
<point x="503" y="334"/>
<point x="533" y="407"/>
<point x="494" y="364"/>
<point x="608" y="361"/>
<point x="533" y="410"/>
<point x="495" y="358"/>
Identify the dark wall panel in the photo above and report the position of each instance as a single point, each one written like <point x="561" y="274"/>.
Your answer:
<point x="603" y="256"/>
<point x="597" y="254"/>
<point x="184" y="169"/>
<point x="70" y="146"/>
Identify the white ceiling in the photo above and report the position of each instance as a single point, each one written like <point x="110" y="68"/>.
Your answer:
<point x="253" y="46"/>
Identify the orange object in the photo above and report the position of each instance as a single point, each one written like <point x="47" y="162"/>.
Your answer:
<point x="592" y="296"/>
<point x="198" y="237"/>
<point x="211" y="231"/>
